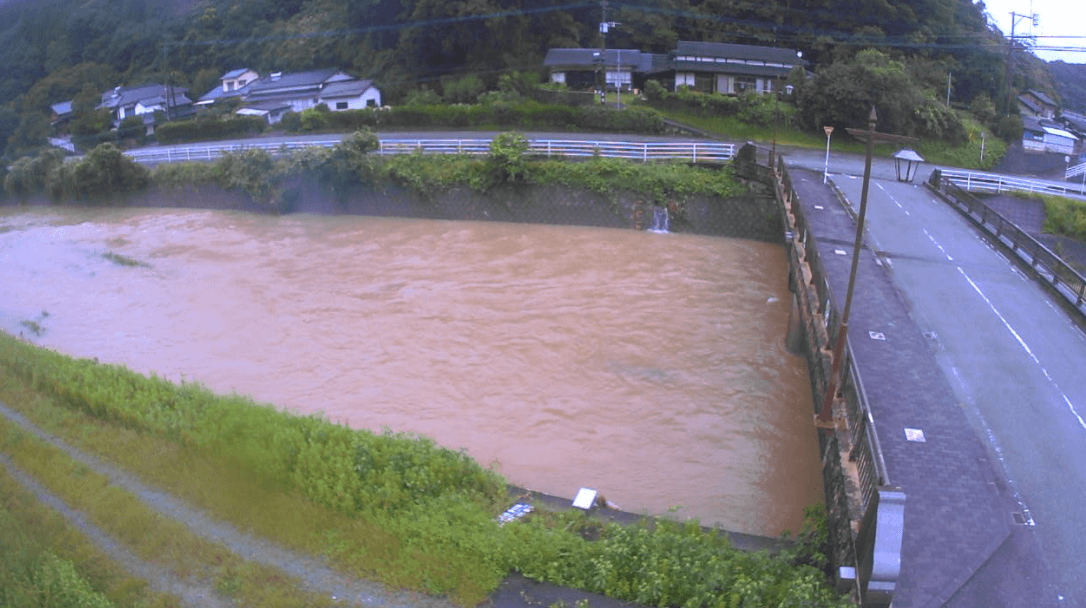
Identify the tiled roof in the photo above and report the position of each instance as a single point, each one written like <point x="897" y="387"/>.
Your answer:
<point x="234" y="73"/>
<point x="126" y="96"/>
<point x="739" y="51"/>
<point x="312" y="78"/>
<point x="346" y="88"/>
<point x="587" y="58"/>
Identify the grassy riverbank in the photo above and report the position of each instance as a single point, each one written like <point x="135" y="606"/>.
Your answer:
<point x="387" y="507"/>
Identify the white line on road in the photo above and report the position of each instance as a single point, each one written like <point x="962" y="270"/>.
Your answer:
<point x="937" y="245"/>
<point x="1024" y="346"/>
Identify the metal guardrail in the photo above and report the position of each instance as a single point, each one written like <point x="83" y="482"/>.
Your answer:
<point x="697" y="152"/>
<point x="1046" y="265"/>
<point x="991" y="182"/>
<point x="1075" y="171"/>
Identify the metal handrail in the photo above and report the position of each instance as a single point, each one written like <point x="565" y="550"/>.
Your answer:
<point x="698" y="152"/>
<point x="995" y="183"/>
<point x="1045" y="264"/>
<point x="1074" y="171"/>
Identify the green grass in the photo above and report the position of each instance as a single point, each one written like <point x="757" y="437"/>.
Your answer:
<point x="966" y="155"/>
<point x="392" y="508"/>
<point x="33" y="538"/>
<point x="1064" y="216"/>
<point x="150" y="536"/>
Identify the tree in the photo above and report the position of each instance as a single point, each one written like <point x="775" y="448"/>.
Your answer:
<point x="843" y="93"/>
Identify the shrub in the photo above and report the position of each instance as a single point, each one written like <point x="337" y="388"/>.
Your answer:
<point x="32" y="174"/>
<point x="106" y="172"/>
<point x="251" y="171"/>
<point x="508" y="157"/>
<point x="210" y="127"/>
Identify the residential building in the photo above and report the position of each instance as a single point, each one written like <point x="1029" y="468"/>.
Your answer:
<point x="123" y="102"/>
<point x="711" y="67"/>
<point x="273" y="95"/>
<point x="1040" y="135"/>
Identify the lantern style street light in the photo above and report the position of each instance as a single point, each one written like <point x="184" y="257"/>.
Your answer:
<point x="906" y="162"/>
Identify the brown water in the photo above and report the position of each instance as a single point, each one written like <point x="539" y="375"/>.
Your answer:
<point x="651" y="367"/>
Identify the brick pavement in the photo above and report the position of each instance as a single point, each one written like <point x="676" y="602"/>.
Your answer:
<point x="955" y="517"/>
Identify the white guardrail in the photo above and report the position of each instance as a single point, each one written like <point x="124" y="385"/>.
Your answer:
<point x="990" y="182"/>
<point x="703" y="152"/>
<point x="1075" y="171"/>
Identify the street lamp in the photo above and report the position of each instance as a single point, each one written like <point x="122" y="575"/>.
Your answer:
<point x="907" y="162"/>
<point x="826" y="170"/>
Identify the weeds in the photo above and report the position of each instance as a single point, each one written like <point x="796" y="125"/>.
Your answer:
<point x="388" y="506"/>
<point x="122" y="260"/>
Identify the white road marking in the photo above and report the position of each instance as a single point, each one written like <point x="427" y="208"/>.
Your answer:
<point x="1025" y="347"/>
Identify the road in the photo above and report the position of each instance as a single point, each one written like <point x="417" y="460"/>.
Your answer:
<point x="1014" y="361"/>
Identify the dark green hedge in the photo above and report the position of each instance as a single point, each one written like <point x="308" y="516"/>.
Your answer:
<point x="214" y="128"/>
<point x="524" y="116"/>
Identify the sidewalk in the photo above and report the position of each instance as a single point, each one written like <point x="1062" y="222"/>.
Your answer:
<point x="955" y="518"/>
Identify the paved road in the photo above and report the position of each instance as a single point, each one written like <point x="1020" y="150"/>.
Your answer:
<point x="1014" y="362"/>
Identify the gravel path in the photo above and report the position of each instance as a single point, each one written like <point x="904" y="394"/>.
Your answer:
<point x="315" y="575"/>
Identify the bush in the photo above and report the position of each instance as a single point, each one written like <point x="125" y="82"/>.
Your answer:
<point x="106" y="172"/>
<point x="35" y="174"/>
<point x="508" y="157"/>
<point x="210" y="128"/>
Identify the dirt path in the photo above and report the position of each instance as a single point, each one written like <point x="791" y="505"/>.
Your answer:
<point x="315" y="575"/>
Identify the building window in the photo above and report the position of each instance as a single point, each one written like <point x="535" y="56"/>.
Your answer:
<point x="371" y="103"/>
<point x="341" y="105"/>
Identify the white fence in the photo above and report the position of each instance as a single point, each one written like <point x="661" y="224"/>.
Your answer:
<point x="990" y="182"/>
<point x="698" y="152"/>
<point x="1075" y="171"/>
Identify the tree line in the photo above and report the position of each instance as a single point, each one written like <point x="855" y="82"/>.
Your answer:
<point x="56" y="50"/>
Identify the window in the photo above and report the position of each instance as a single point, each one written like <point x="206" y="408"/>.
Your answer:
<point x="341" y="105"/>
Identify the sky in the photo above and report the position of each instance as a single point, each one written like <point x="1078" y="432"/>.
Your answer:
<point x="1054" y="18"/>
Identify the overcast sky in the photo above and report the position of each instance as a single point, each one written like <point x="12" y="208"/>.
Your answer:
<point x="1054" y="18"/>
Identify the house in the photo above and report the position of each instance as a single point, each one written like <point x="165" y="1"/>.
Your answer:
<point x="62" y="113"/>
<point x="581" y="68"/>
<point x="717" y="67"/>
<point x="1039" y="104"/>
<point x="1073" y="122"/>
<point x="231" y="84"/>
<point x="278" y="93"/>
<point x="302" y="90"/>
<point x="123" y="102"/>
<point x="711" y="67"/>
<point x="350" y="95"/>
<point x="1039" y="135"/>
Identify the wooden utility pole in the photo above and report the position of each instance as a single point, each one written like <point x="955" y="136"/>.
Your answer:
<point x="824" y="419"/>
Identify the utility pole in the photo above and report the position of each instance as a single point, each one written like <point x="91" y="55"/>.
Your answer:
<point x="1010" y="49"/>
<point x="603" y="50"/>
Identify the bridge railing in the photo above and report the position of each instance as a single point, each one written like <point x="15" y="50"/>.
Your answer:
<point x="1046" y="265"/>
<point x="973" y="181"/>
<point x="855" y="437"/>
<point x="697" y="152"/>
<point x="1075" y="171"/>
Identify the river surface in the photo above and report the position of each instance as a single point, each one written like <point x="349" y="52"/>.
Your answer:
<point x="651" y="367"/>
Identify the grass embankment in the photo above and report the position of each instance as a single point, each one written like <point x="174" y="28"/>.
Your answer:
<point x="966" y="155"/>
<point x="1065" y="216"/>
<point x="386" y="507"/>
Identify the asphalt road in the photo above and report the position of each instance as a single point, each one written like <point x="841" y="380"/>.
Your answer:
<point x="1014" y="360"/>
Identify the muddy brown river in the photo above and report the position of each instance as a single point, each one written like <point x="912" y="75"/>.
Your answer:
<point x="651" y="367"/>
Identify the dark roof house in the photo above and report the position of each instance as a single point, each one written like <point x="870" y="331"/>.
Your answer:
<point x="123" y="102"/>
<point x="709" y="66"/>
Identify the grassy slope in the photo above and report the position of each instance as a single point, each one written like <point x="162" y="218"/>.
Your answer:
<point x="448" y="545"/>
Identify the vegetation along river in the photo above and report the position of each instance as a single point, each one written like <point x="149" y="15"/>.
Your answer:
<point x="651" y="367"/>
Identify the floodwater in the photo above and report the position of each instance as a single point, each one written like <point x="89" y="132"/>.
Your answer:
<point x="651" y="367"/>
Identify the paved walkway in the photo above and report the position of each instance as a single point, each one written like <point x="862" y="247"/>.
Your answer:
<point x="957" y="514"/>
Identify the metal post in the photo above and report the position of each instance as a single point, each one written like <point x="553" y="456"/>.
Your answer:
<point x="826" y="170"/>
<point x="826" y="416"/>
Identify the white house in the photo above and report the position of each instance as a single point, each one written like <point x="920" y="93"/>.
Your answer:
<point x="350" y="95"/>
<point x="123" y="102"/>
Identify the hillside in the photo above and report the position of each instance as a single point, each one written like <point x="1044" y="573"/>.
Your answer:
<point x="1070" y="79"/>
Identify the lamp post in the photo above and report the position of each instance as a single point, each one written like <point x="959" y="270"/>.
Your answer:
<point x="826" y="170"/>
<point x="824" y="419"/>
<point x="982" y="146"/>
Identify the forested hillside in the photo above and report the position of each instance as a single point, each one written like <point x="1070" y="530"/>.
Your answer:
<point x="1070" y="81"/>
<point x="52" y="50"/>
